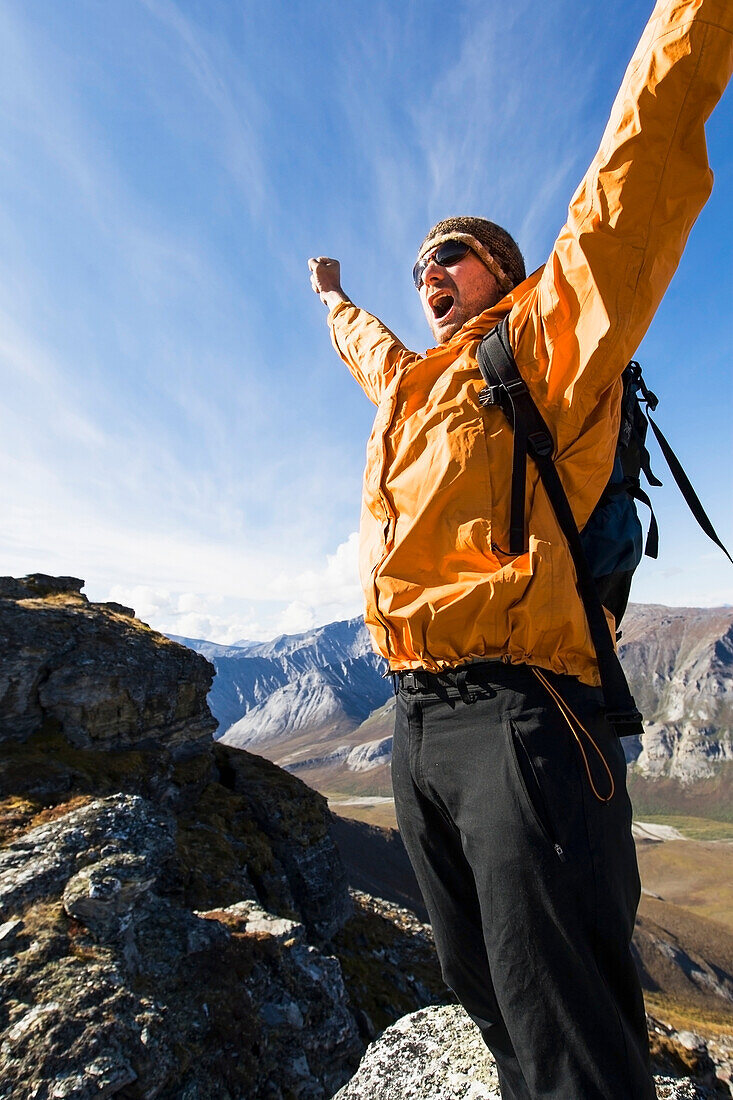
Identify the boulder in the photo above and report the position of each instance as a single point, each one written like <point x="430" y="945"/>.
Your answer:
<point x="437" y="1054"/>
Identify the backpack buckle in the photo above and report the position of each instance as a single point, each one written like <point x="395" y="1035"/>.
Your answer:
<point x="624" y="717"/>
<point x="490" y="395"/>
<point x="516" y="385"/>
<point x="541" y="443"/>
<point x="649" y="397"/>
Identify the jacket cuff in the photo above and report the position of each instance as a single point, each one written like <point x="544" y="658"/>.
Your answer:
<point x="337" y="309"/>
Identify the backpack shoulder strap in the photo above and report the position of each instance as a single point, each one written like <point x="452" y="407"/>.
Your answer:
<point x="507" y="389"/>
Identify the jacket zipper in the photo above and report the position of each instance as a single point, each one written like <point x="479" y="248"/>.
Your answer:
<point x="389" y="521"/>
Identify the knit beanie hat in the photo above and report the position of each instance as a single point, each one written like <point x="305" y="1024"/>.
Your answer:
<point x="492" y="244"/>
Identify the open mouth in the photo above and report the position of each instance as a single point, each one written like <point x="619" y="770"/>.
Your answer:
<point x="441" y="305"/>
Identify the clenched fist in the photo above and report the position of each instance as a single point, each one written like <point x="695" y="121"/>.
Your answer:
<point x="326" y="280"/>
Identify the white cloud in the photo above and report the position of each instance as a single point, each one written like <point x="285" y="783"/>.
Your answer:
<point x="334" y="586"/>
<point x="192" y="614"/>
<point x="146" y="602"/>
<point x="259" y="609"/>
<point x="296" y="618"/>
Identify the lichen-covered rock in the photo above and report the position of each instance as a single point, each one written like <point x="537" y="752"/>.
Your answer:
<point x="111" y="981"/>
<point x="433" y="1054"/>
<point x="96" y="672"/>
<point x="437" y="1054"/>
<point x="164" y="902"/>
<point x="88" y="854"/>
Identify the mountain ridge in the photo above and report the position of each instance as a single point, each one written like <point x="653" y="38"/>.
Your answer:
<point x="318" y="704"/>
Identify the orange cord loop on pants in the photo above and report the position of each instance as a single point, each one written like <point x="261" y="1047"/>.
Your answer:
<point x="570" y="717"/>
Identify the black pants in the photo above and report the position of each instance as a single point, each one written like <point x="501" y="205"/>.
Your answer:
<point x="530" y="879"/>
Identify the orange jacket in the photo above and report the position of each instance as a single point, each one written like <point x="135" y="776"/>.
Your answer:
<point x="439" y="589"/>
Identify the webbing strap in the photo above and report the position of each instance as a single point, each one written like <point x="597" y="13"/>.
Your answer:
<point x="497" y="365"/>
<point x="519" y="478"/>
<point x="683" y="483"/>
<point x="651" y="546"/>
<point x="646" y="464"/>
<point x="507" y="388"/>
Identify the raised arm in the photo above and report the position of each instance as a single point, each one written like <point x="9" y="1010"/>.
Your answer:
<point x="371" y="352"/>
<point x="630" y="218"/>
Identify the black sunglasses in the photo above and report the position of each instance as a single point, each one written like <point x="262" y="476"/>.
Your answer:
<point x="450" y="252"/>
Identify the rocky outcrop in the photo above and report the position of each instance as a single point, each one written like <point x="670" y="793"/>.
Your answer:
<point x="432" y="1054"/>
<point x="168" y="905"/>
<point x="113" y="982"/>
<point x="95" y="671"/>
<point x="437" y="1054"/>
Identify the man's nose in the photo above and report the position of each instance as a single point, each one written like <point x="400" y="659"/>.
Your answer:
<point x="432" y="272"/>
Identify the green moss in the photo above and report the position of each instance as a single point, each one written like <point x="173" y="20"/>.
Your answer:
<point x="373" y="952"/>
<point x="217" y="839"/>
<point x="193" y="770"/>
<point x="47" y="767"/>
<point x="279" y="801"/>
<point x="44" y="937"/>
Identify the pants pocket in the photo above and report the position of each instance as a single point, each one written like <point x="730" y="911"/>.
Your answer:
<point x="531" y="787"/>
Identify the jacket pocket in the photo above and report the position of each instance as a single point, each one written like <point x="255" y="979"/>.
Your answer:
<point x="530" y="785"/>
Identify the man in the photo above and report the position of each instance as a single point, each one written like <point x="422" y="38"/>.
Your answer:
<point x="509" y="782"/>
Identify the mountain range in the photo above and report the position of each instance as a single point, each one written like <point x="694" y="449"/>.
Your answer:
<point x="321" y="705"/>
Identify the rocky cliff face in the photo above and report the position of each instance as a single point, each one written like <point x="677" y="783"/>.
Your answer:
<point x="680" y="667"/>
<point x="94" y="671"/>
<point x="174" y="917"/>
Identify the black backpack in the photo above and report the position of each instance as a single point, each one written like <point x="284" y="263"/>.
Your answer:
<point x="610" y="546"/>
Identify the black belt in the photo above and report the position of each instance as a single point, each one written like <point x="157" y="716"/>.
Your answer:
<point x="475" y="673"/>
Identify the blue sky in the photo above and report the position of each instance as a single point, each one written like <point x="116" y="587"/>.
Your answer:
<point x="176" y="428"/>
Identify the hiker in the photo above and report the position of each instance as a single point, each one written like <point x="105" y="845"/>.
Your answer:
<point x="509" y="779"/>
